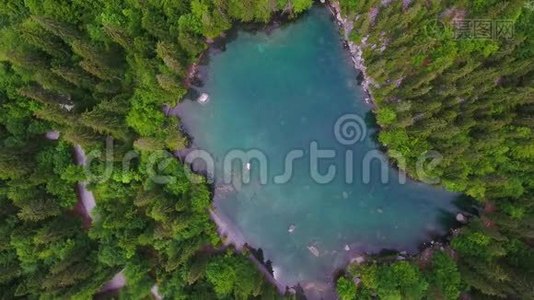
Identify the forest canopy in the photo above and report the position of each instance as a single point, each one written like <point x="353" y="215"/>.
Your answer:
<point x="90" y="71"/>
<point x="95" y="70"/>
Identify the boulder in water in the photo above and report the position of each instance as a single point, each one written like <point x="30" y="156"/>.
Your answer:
<point x="292" y="228"/>
<point x="203" y="98"/>
<point x="314" y="250"/>
<point x="461" y="218"/>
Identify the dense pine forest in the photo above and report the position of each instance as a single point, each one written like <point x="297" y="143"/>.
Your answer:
<point x="97" y="69"/>
<point x="469" y="95"/>
<point x="101" y="72"/>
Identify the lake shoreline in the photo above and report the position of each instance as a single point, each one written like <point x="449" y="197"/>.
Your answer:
<point x="356" y="56"/>
<point x="193" y="79"/>
<point x="437" y="242"/>
<point x="280" y="19"/>
<point x="356" y="51"/>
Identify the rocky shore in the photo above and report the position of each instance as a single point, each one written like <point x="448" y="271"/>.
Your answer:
<point x="356" y="50"/>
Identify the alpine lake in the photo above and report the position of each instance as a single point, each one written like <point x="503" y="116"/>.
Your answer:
<point x="283" y="108"/>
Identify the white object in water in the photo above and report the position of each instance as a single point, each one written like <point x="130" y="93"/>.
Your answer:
<point x="347" y="248"/>
<point x="314" y="250"/>
<point x="248" y="166"/>
<point x="292" y="228"/>
<point x="203" y="98"/>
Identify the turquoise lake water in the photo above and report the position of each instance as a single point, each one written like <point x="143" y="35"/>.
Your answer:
<point x="280" y="92"/>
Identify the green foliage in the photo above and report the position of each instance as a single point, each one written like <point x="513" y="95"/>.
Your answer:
<point x="346" y="290"/>
<point x="301" y="5"/>
<point x="386" y="116"/>
<point x="438" y="92"/>
<point x="234" y="277"/>
<point x="222" y="276"/>
<point x="94" y="69"/>
<point x="465" y="99"/>
<point x="400" y="280"/>
<point x="444" y="279"/>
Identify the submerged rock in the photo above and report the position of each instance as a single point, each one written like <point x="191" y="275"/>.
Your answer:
<point x="292" y="228"/>
<point x="314" y="250"/>
<point x="203" y="98"/>
<point x="461" y="218"/>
